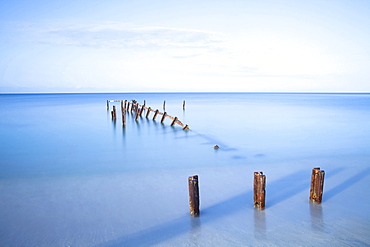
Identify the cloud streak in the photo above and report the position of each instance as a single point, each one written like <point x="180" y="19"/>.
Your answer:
<point x="117" y="35"/>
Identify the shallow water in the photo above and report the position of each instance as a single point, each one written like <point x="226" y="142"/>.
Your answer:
<point x="72" y="176"/>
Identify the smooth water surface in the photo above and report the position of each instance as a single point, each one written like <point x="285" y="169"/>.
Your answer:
<point x="72" y="176"/>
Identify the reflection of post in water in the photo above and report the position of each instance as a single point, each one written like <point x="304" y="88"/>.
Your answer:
<point x="317" y="222"/>
<point x="195" y="223"/>
<point x="259" y="224"/>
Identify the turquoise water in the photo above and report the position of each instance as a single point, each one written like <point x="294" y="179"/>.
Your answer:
<point x="70" y="175"/>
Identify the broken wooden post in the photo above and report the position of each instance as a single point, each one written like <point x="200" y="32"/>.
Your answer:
<point x="259" y="190"/>
<point x="142" y="109"/>
<point x="114" y="112"/>
<point x="317" y="185"/>
<point x="194" y="195"/>
<point x="137" y="114"/>
<point x="164" y="105"/>
<point x="132" y="107"/>
<point x="164" y="116"/>
<point x="147" y="114"/>
<point x="123" y="110"/>
<point x="155" y="114"/>
<point x="174" y="121"/>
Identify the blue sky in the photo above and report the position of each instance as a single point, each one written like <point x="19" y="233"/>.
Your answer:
<point x="184" y="46"/>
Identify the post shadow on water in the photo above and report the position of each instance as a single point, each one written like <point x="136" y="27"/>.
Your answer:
<point x="290" y="185"/>
<point x="327" y="195"/>
<point x="277" y="192"/>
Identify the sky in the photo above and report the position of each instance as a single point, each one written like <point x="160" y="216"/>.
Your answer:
<point x="184" y="46"/>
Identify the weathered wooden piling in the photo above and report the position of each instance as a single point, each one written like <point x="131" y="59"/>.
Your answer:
<point x="163" y="117"/>
<point x="164" y="105"/>
<point x="155" y="114"/>
<point x="141" y="110"/>
<point x="259" y="190"/>
<point x="137" y="114"/>
<point x="114" y="115"/>
<point x="183" y="105"/>
<point x="174" y="121"/>
<point x="317" y="185"/>
<point x="107" y="104"/>
<point x="194" y="195"/>
<point x="148" y="112"/>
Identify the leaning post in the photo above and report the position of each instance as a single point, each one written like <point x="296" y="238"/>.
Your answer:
<point x="174" y="121"/>
<point x="147" y="114"/>
<point x="155" y="114"/>
<point x="163" y="117"/>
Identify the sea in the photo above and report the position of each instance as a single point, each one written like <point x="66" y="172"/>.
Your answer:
<point x="71" y="175"/>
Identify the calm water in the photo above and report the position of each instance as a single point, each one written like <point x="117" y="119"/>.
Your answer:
<point x="69" y="175"/>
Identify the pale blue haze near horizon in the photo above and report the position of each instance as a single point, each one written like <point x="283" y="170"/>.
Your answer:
<point x="177" y="46"/>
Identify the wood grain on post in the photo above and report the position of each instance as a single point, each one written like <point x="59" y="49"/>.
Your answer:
<point x="317" y="185"/>
<point x="259" y="190"/>
<point x="194" y="195"/>
<point x="163" y="117"/>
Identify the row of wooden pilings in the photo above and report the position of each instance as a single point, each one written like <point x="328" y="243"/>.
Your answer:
<point x="259" y="190"/>
<point x="139" y="109"/>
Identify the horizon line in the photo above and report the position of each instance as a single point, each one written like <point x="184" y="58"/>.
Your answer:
<point x="138" y="92"/>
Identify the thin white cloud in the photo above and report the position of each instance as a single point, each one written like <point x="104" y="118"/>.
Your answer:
<point x="122" y="35"/>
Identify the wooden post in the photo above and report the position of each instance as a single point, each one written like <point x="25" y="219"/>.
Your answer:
<point x="114" y="112"/>
<point x="137" y="114"/>
<point x="155" y="114"/>
<point x="174" y="121"/>
<point x="164" y="116"/>
<point x="183" y="105"/>
<point x="124" y="117"/>
<point x="164" y="105"/>
<point x="259" y="190"/>
<point x="194" y="195"/>
<point x="107" y="104"/>
<point x="147" y="114"/>
<point x="317" y="185"/>
<point x="142" y="109"/>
